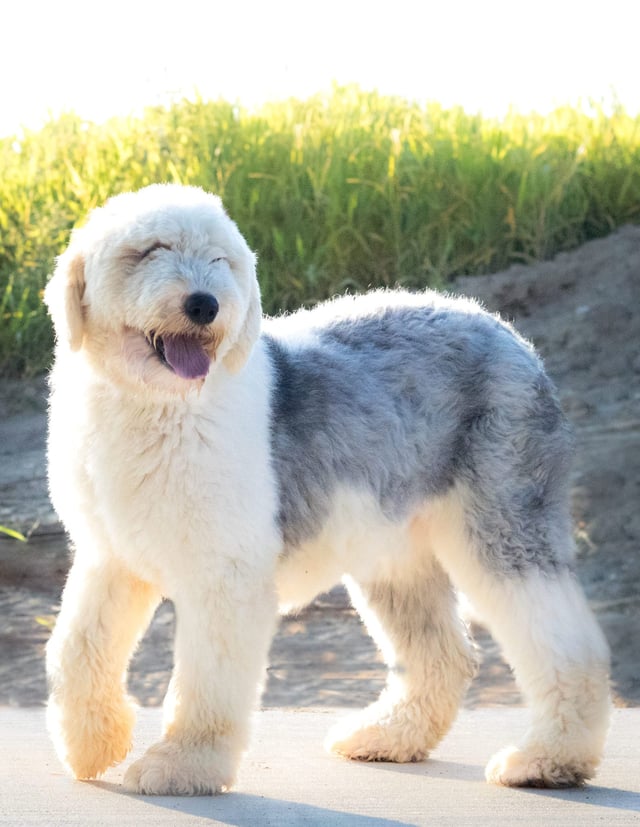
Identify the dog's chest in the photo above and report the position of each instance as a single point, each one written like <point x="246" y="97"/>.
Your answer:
<point x="151" y="465"/>
<point x="159" y="478"/>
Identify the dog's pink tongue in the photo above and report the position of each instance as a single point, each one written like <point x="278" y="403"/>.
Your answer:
<point x="186" y="356"/>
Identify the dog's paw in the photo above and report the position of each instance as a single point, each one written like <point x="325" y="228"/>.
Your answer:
<point x="168" y="768"/>
<point x="390" y="739"/>
<point x="90" y="740"/>
<point x="513" y="767"/>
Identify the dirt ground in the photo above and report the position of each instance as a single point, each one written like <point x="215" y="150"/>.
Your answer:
<point x="582" y="311"/>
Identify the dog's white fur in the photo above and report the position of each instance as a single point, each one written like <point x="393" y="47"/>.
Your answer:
<point x="166" y="487"/>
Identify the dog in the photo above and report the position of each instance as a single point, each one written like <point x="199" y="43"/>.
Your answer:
<point x="410" y="444"/>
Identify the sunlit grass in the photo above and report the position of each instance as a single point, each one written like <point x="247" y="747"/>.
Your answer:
<point x="15" y="535"/>
<point x="335" y="192"/>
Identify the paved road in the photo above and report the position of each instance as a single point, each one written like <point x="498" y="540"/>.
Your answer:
<point x="287" y="779"/>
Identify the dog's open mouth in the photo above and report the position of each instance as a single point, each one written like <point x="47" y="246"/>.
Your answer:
<point x="182" y="354"/>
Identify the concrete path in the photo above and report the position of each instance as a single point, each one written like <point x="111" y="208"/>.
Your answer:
<point x="287" y="779"/>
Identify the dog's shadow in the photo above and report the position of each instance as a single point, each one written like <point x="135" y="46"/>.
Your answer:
<point x="433" y="768"/>
<point x="245" y="810"/>
<point x="610" y="797"/>
<point x="590" y="794"/>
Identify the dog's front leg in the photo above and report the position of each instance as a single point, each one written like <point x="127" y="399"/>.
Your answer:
<point x="223" y="634"/>
<point x="105" y="610"/>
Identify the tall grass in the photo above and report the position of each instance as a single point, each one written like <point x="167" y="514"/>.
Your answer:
<point x="337" y="192"/>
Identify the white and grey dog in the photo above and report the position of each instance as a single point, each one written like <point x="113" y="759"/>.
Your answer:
<point x="411" y="445"/>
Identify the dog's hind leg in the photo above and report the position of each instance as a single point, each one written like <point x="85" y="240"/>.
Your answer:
<point x="413" y="618"/>
<point x="560" y="659"/>
<point x="105" y="610"/>
<point x="538" y="614"/>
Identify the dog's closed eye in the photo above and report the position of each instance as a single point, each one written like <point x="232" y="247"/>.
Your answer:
<point x="157" y="245"/>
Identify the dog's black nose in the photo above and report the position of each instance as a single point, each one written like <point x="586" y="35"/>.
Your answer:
<point x="201" y="308"/>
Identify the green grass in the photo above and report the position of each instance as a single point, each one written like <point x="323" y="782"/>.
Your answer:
<point x="337" y="192"/>
<point x="15" y="535"/>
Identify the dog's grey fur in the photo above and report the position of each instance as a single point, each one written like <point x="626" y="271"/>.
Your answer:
<point x="406" y="401"/>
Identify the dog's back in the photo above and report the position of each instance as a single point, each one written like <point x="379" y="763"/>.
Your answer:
<point x="403" y="395"/>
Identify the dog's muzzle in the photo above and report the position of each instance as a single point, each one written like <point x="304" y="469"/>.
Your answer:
<point x="182" y="353"/>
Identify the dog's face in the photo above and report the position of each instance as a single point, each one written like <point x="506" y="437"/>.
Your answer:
<point x="156" y="288"/>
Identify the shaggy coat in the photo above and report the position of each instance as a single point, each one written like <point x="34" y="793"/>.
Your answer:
<point x="408" y="444"/>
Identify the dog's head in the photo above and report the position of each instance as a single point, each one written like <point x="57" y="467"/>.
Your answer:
<point x="156" y="287"/>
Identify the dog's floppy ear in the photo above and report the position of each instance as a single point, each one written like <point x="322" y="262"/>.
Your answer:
<point x="63" y="297"/>
<point x="236" y="358"/>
